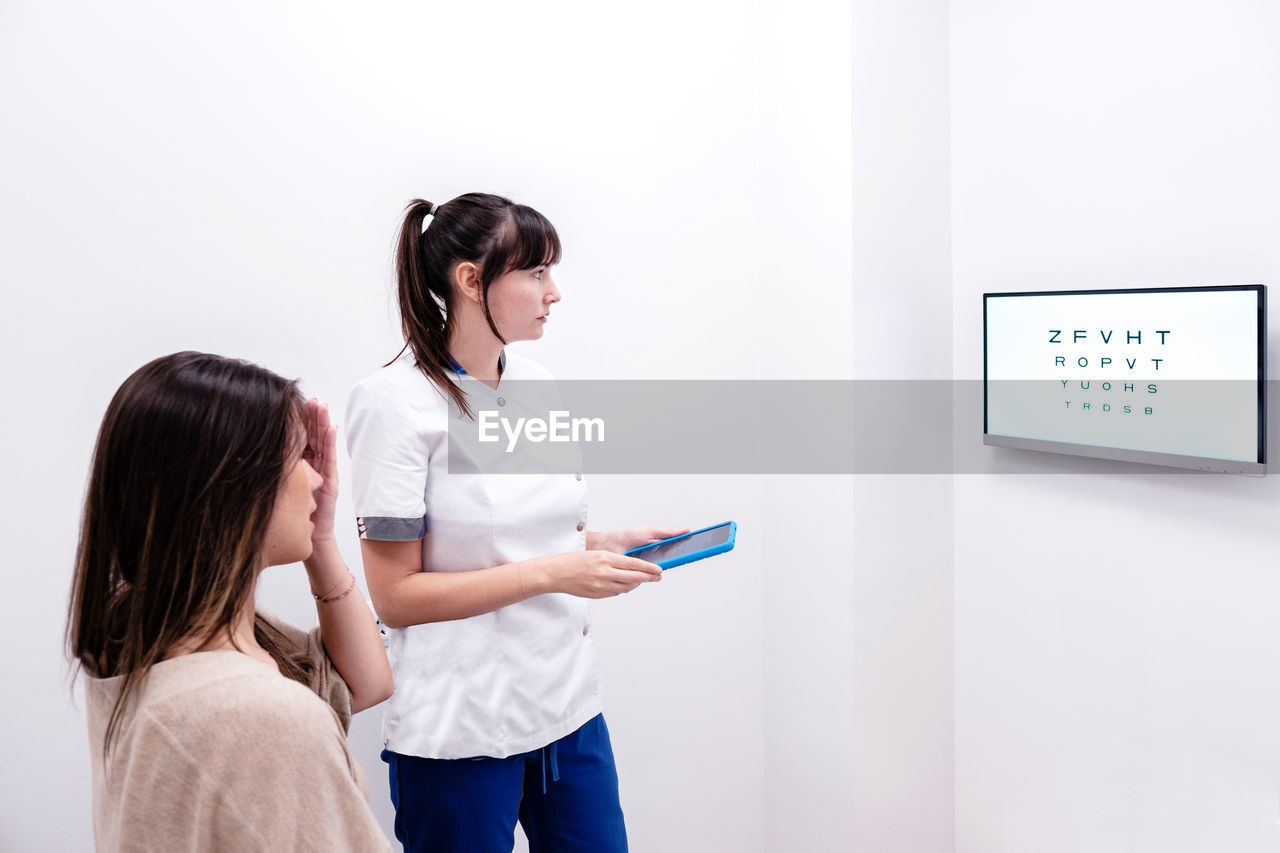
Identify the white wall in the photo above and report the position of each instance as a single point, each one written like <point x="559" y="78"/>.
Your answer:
<point x="231" y="180"/>
<point x="901" y="720"/>
<point x="1116" y="639"/>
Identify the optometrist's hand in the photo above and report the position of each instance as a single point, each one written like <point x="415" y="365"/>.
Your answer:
<point x="621" y="541"/>
<point x="322" y="455"/>
<point x="598" y="574"/>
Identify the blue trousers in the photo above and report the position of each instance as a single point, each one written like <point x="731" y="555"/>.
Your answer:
<point x="565" y="796"/>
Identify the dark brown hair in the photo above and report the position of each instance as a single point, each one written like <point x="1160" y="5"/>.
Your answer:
<point x="490" y="231"/>
<point x="189" y="460"/>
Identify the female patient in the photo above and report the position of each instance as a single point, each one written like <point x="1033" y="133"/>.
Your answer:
<point x="213" y="726"/>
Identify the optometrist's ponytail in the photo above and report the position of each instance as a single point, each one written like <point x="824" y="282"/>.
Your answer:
<point x="424" y="301"/>
<point x="487" y="230"/>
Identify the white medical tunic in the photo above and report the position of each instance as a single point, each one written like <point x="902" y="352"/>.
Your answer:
<point x="500" y="683"/>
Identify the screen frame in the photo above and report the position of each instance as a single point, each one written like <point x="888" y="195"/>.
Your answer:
<point x="1257" y="468"/>
<point x="731" y="536"/>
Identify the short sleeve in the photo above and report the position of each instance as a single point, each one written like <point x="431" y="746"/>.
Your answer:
<point x="389" y="452"/>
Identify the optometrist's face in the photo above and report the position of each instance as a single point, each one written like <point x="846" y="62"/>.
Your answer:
<point x="520" y="302"/>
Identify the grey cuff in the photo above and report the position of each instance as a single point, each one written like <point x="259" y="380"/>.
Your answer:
<point x="391" y="529"/>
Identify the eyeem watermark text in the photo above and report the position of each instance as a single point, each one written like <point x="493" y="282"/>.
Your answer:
<point x="560" y="427"/>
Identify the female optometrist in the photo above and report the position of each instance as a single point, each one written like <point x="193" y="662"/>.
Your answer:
<point x="482" y="580"/>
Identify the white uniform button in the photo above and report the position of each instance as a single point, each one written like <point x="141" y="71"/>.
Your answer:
<point x="585" y="630"/>
<point x="581" y="526"/>
<point x="501" y="402"/>
<point x="577" y="476"/>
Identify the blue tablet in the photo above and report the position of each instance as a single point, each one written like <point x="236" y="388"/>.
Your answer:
<point x="688" y="547"/>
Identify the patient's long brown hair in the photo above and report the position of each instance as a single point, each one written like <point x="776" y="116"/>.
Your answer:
<point x="189" y="459"/>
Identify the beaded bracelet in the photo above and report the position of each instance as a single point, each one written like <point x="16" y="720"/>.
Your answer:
<point x="322" y="599"/>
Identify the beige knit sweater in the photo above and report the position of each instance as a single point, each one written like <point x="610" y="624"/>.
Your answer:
<point x="219" y="752"/>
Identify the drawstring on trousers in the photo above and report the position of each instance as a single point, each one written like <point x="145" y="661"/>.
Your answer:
<point x="555" y="767"/>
